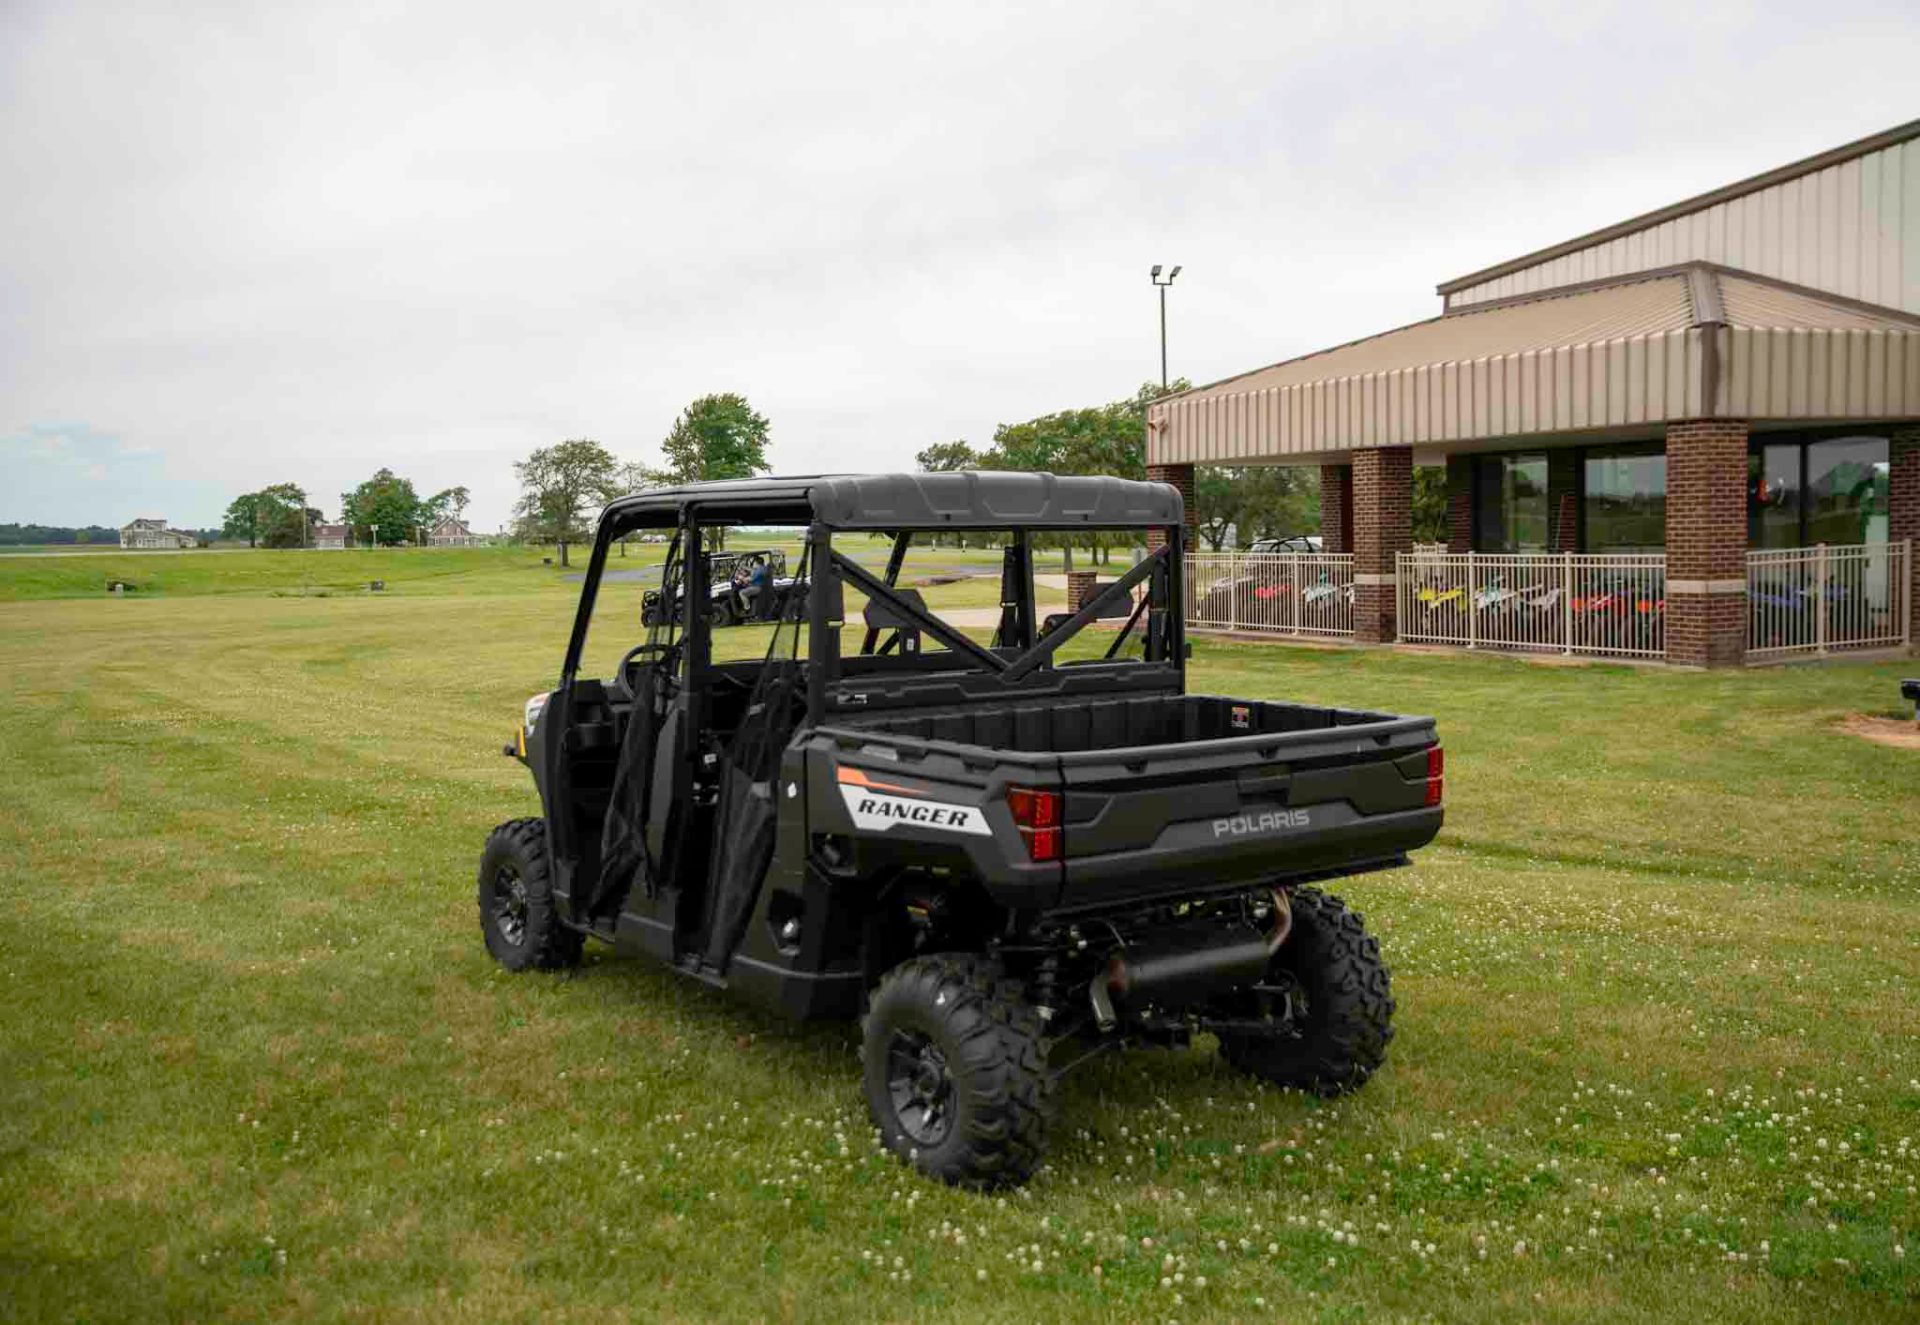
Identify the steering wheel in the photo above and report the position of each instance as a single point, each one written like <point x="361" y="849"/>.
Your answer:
<point x="623" y="677"/>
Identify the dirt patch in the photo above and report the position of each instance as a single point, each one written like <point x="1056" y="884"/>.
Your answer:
<point x="1900" y="733"/>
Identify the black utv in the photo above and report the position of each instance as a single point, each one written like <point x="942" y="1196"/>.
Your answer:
<point x="1005" y="853"/>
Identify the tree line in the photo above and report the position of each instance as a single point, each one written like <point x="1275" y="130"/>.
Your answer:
<point x="384" y="510"/>
<point x="1112" y="439"/>
<point x="561" y="486"/>
<point x="55" y="535"/>
<point x="1245" y="502"/>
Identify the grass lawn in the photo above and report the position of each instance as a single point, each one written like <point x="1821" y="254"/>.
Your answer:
<point x="1657" y="1054"/>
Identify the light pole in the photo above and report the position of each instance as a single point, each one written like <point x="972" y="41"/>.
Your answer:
<point x="1162" y="286"/>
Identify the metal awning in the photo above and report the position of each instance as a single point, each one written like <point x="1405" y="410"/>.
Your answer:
<point x="1687" y="342"/>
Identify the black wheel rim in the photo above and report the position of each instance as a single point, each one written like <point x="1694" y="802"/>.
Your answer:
<point x="921" y="1088"/>
<point x="510" y="905"/>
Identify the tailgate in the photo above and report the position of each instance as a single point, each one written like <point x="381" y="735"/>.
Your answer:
<point x="1163" y="819"/>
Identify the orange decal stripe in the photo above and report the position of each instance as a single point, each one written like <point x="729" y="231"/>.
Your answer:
<point x="858" y="778"/>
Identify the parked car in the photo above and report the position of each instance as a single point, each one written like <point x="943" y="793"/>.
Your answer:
<point x="1005" y="860"/>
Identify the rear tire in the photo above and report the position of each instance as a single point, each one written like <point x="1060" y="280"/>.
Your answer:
<point x="956" y="1071"/>
<point x="1349" y="994"/>
<point x="517" y="916"/>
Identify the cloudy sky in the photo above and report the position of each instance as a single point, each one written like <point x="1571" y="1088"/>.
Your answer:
<point x="247" y="244"/>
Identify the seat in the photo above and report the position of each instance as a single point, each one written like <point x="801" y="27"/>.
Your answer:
<point x="882" y="615"/>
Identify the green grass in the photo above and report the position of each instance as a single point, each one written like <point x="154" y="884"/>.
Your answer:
<point x="1656" y="1055"/>
<point x="40" y="573"/>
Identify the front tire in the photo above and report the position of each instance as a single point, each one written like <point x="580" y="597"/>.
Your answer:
<point x="1343" y="1036"/>
<point x="517" y="916"/>
<point x="956" y="1071"/>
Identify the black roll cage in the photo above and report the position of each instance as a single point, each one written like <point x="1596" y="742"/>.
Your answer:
<point x="827" y="569"/>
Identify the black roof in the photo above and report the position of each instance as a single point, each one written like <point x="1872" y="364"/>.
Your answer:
<point x="968" y="499"/>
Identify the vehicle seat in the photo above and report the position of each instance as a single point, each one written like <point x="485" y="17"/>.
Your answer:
<point x="882" y="616"/>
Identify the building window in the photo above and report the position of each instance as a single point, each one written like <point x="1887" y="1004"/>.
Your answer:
<point x="1623" y="504"/>
<point x="1802" y="491"/>
<point x="1510" y="503"/>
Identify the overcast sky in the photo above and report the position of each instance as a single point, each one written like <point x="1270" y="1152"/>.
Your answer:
<point x="249" y="244"/>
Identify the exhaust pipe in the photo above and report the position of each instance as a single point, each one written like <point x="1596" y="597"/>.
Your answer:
<point x="1186" y="965"/>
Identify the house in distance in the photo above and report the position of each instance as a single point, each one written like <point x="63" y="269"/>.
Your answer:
<point x="145" y="533"/>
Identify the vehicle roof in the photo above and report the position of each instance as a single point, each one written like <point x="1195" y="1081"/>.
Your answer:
<point x="965" y="499"/>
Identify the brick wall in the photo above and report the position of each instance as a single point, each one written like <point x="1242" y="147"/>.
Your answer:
<point x="1181" y="476"/>
<point x="1382" y="528"/>
<point x="1707" y="542"/>
<point x="1336" y="508"/>
<point x="1459" y="503"/>
<point x="1903" y="511"/>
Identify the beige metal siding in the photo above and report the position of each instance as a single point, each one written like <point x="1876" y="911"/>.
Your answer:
<point x="1634" y="308"/>
<point x="1760" y="304"/>
<point x="1611" y="383"/>
<point x="1820" y="372"/>
<point x="1852" y="228"/>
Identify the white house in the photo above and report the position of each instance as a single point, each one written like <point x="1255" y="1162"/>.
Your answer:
<point x="153" y="533"/>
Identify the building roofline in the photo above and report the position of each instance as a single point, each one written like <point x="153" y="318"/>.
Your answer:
<point x="1450" y="315"/>
<point x="1779" y="174"/>
<point x="1692" y="269"/>
<point x="1703" y="293"/>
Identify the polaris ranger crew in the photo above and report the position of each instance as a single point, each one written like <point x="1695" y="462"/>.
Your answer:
<point x="1005" y="853"/>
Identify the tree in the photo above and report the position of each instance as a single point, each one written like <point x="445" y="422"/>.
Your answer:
<point x="1102" y="439"/>
<point x="450" y="504"/>
<point x="637" y="477"/>
<point x="559" y="486"/>
<point x="243" y="519"/>
<point x="384" y="509"/>
<point x="1218" y="503"/>
<point x="717" y="437"/>
<point x="947" y="458"/>
<point x="276" y="516"/>
<point x="1430" y="504"/>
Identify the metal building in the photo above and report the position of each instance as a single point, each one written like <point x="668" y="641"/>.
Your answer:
<point x="1693" y="435"/>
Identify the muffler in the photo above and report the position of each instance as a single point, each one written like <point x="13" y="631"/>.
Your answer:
<point x="1187" y="964"/>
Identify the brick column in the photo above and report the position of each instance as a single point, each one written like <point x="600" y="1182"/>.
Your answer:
<point x="1903" y="512"/>
<point x="1563" y="496"/>
<point x="1382" y="528"/>
<point x="1336" y="508"/>
<point x="1181" y="476"/>
<point x="1707" y="542"/>
<point x="1459" y="503"/>
<point x="1079" y="588"/>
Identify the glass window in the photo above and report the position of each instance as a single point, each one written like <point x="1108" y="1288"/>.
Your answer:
<point x="1625" y="501"/>
<point x="1801" y="491"/>
<point x="1510" y="503"/>
<point x="1846" y="492"/>
<point x="1773" y="495"/>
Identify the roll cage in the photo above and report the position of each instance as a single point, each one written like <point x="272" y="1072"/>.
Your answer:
<point x="1018" y="504"/>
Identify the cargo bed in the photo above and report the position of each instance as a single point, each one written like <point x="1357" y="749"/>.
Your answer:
<point x="1169" y="793"/>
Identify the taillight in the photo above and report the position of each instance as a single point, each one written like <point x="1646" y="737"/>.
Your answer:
<point x="1436" y="774"/>
<point x="1037" y="815"/>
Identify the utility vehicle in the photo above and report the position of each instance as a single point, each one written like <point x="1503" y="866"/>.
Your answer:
<point x="743" y="587"/>
<point x="1006" y="854"/>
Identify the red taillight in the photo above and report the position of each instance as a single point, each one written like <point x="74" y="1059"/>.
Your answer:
<point x="1436" y="774"/>
<point x="1037" y="815"/>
